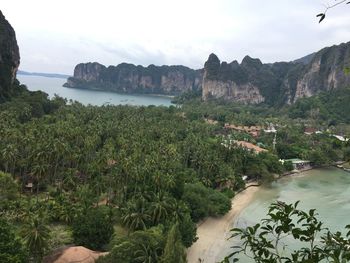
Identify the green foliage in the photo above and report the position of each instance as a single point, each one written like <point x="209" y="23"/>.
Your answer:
<point x="8" y="188"/>
<point x="31" y="105"/>
<point x="60" y="235"/>
<point x="265" y="242"/>
<point x="140" y="246"/>
<point x="212" y="67"/>
<point x="135" y="216"/>
<point x="188" y="230"/>
<point x="134" y="159"/>
<point x="9" y="62"/>
<point x="318" y="158"/>
<point x="93" y="229"/>
<point x="322" y="16"/>
<point x="205" y="202"/>
<point x="288" y="165"/>
<point x="228" y="192"/>
<point x="347" y="154"/>
<point x="330" y="105"/>
<point x="36" y="235"/>
<point x="174" y="251"/>
<point x="11" y="248"/>
<point x="185" y="96"/>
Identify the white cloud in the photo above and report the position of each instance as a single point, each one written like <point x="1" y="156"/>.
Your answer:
<point x="55" y="35"/>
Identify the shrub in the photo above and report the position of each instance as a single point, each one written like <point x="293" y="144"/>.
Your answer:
<point x="11" y="248"/>
<point x="93" y="229"/>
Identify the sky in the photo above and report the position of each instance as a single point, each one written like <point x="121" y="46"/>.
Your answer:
<point x="54" y="36"/>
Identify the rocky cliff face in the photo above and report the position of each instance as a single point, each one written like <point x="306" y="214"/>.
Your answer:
<point x="326" y="71"/>
<point x="277" y="83"/>
<point x="128" y="78"/>
<point x="230" y="81"/>
<point x="9" y="58"/>
<point x="251" y="81"/>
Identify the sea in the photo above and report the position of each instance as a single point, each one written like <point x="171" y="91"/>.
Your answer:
<point x="326" y="190"/>
<point x="53" y="86"/>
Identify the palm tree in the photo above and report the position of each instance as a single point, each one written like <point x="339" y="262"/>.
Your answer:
<point x="135" y="215"/>
<point x="39" y="171"/>
<point x="36" y="235"/>
<point x="174" y="251"/>
<point x="9" y="154"/>
<point x="147" y="254"/>
<point x="160" y="208"/>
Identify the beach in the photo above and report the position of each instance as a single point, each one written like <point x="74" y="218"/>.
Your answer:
<point x="212" y="233"/>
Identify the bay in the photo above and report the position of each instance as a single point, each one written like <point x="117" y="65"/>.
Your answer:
<point x="326" y="190"/>
<point x="53" y="86"/>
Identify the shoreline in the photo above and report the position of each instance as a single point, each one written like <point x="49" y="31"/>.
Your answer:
<point x="123" y="93"/>
<point x="212" y="232"/>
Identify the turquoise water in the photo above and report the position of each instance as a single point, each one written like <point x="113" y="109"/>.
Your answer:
<point x="326" y="190"/>
<point x="53" y="86"/>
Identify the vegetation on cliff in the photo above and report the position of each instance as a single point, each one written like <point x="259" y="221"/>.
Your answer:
<point x="279" y="83"/>
<point x="9" y="60"/>
<point x="129" y="78"/>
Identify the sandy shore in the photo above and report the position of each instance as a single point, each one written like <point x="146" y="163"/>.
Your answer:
<point x="213" y="232"/>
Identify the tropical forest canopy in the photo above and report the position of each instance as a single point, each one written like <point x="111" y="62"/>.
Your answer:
<point x="132" y="180"/>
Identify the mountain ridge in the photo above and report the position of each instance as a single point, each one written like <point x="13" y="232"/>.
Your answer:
<point x="250" y="81"/>
<point x="129" y="78"/>
<point x="277" y="83"/>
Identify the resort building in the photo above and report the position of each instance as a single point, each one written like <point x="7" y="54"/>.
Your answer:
<point x="249" y="146"/>
<point x="252" y="130"/>
<point x="299" y="164"/>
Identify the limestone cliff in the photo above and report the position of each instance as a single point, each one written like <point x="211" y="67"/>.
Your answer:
<point x="277" y="83"/>
<point x="128" y="78"/>
<point x="326" y="71"/>
<point x="250" y="81"/>
<point x="229" y="81"/>
<point x="9" y="58"/>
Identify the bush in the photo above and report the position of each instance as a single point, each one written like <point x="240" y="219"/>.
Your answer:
<point x="188" y="230"/>
<point x="93" y="229"/>
<point x="229" y="193"/>
<point x="11" y="249"/>
<point x="8" y="187"/>
<point x="288" y="166"/>
<point x="205" y="202"/>
<point x="140" y="246"/>
<point x="219" y="204"/>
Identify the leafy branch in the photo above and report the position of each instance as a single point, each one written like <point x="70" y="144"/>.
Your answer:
<point x="322" y="16"/>
<point x="262" y="242"/>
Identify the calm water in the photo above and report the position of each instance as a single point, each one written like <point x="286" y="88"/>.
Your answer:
<point x="53" y="86"/>
<point x="327" y="190"/>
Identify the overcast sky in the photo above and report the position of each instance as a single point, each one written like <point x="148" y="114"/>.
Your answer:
<point x="54" y="36"/>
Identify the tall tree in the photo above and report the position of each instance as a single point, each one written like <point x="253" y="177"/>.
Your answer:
<point x="8" y="187"/>
<point x="174" y="251"/>
<point x="36" y="235"/>
<point x="93" y="229"/>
